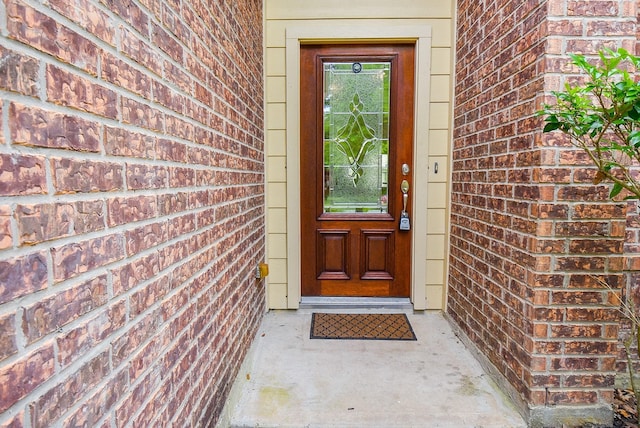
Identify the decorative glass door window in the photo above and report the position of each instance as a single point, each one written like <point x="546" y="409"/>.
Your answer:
<point x="356" y="136"/>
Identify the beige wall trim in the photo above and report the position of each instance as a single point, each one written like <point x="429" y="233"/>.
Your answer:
<point x="356" y="30"/>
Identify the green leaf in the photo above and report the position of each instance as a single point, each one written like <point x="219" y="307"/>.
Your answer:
<point x="615" y="191"/>
<point x="634" y="138"/>
<point x="552" y="126"/>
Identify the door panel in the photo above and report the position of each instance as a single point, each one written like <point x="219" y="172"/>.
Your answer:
<point x="377" y="254"/>
<point x="356" y="133"/>
<point x="333" y="254"/>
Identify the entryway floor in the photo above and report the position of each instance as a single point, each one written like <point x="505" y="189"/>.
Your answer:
<point x="290" y="380"/>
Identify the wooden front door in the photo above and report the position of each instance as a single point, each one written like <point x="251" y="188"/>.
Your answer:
<point x="356" y="154"/>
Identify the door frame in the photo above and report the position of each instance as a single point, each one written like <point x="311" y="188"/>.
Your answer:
<point x="357" y="31"/>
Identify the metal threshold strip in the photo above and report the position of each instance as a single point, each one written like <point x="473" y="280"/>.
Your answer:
<point x="355" y="303"/>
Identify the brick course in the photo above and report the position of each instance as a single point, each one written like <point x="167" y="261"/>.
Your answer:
<point x="131" y="209"/>
<point x="527" y="224"/>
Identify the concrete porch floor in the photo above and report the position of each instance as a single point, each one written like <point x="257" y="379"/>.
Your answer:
<point x="290" y="380"/>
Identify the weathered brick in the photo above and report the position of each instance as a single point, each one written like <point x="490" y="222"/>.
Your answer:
<point x="562" y="331"/>
<point x="131" y="13"/>
<point x="593" y="8"/>
<point x="130" y="210"/>
<point x="16" y="421"/>
<point x="120" y="73"/>
<point x="146" y="237"/>
<point x="19" y="73"/>
<point x="75" y="343"/>
<point x="95" y="407"/>
<point x="593" y="246"/>
<point x="140" y="51"/>
<point x="22" y="175"/>
<point x="146" y="296"/>
<point x="553" y="211"/>
<point x="153" y="408"/>
<point x="74" y="259"/>
<point x="182" y="177"/>
<point x="132" y="274"/>
<point x="571" y="397"/>
<point x="589" y="193"/>
<point x="146" y="177"/>
<point x="71" y="176"/>
<point x="139" y="331"/>
<point x="173" y="203"/>
<point x="8" y="345"/>
<point x="75" y="91"/>
<point x="22" y="275"/>
<point x="50" y="406"/>
<point x="582" y="228"/>
<point x="90" y="217"/>
<point x="589" y="380"/>
<point x="24" y="375"/>
<point x="136" y="398"/>
<point x="88" y="15"/>
<point x="575" y="263"/>
<point x="575" y="363"/>
<point x="169" y="45"/>
<point x="610" y="28"/>
<point x="40" y="223"/>
<point x="589" y="314"/>
<point x="578" y="297"/>
<point x="47" y="315"/>
<point x="6" y="237"/>
<point x="164" y="95"/>
<point x="143" y="115"/>
<point x="201" y="156"/>
<point x="32" y="126"/>
<point x="181" y="226"/>
<point x="591" y="280"/>
<point x="44" y="222"/>
<point x="121" y="142"/>
<point x="599" y="211"/>
<point x="171" y="151"/>
<point x="47" y="35"/>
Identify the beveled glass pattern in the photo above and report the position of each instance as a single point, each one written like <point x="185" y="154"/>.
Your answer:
<point x="356" y="137"/>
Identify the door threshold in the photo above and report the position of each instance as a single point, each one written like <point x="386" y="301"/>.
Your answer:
<point x="396" y="303"/>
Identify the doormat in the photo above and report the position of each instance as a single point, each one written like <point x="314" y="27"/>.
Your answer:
<point x="361" y="326"/>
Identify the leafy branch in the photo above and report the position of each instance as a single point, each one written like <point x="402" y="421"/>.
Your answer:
<point x="602" y="117"/>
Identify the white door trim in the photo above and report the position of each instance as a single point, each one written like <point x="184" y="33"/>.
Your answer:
<point x="383" y="30"/>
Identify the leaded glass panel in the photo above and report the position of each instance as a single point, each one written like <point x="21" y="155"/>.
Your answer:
<point x="356" y="136"/>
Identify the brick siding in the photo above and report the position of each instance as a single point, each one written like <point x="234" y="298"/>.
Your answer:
<point x="131" y="208"/>
<point x="632" y="290"/>
<point x="528" y="225"/>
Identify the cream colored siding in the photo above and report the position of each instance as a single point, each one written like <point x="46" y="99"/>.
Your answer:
<point x="360" y="20"/>
<point x="357" y="9"/>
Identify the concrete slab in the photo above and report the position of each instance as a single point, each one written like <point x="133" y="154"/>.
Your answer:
<point x="290" y="380"/>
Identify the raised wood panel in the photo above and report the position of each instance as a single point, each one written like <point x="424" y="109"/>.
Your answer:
<point x="333" y="254"/>
<point x="377" y="254"/>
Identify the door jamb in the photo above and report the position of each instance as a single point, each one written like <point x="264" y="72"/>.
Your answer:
<point x="336" y="31"/>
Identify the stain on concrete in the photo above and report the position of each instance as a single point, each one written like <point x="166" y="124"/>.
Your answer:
<point x="468" y="387"/>
<point x="272" y="398"/>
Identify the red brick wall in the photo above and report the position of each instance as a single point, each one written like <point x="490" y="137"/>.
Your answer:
<point x="528" y="225"/>
<point x="131" y="208"/>
<point x="632" y="250"/>
<point x="632" y="291"/>
<point x="499" y="52"/>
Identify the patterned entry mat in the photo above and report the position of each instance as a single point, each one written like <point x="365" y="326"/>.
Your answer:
<point x="361" y="326"/>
